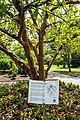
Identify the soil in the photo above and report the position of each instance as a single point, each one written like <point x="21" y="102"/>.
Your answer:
<point x="6" y="78"/>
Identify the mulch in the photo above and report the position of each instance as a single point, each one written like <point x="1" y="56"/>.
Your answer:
<point x="6" y="78"/>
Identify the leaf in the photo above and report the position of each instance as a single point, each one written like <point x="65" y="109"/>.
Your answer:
<point x="36" y="12"/>
<point x="52" y="18"/>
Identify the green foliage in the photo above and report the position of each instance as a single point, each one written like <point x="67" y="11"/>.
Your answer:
<point x="14" y="103"/>
<point x="13" y="70"/>
<point x="47" y="59"/>
<point x="5" y="63"/>
<point x="36" y="12"/>
<point x="75" y="61"/>
<point x="62" y="25"/>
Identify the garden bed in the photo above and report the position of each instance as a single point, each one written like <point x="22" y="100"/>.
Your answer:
<point x="14" y="105"/>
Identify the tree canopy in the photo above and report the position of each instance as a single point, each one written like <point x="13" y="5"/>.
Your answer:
<point x="32" y="24"/>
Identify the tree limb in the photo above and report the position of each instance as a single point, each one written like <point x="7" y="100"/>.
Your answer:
<point x="17" y="5"/>
<point x="12" y="16"/>
<point x="34" y="20"/>
<point x="67" y="2"/>
<point x="15" y="58"/>
<point x="34" y="49"/>
<point x="34" y="4"/>
<point x="11" y="35"/>
<point x="73" y="2"/>
<point x="46" y="72"/>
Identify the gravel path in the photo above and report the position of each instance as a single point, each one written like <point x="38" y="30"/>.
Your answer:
<point x="65" y="78"/>
<point x="5" y="79"/>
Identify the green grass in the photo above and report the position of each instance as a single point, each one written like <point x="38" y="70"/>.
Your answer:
<point x="60" y="68"/>
<point x="74" y="71"/>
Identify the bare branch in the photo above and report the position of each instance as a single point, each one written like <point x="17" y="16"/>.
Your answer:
<point x="43" y="26"/>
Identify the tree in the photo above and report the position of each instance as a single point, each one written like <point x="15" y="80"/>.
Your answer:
<point x="31" y="24"/>
<point x="75" y="60"/>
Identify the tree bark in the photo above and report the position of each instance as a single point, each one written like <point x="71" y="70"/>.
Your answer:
<point x="68" y="62"/>
<point x="41" y="51"/>
<point x="41" y="58"/>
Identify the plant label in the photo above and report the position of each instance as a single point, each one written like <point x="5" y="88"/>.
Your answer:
<point x="41" y="92"/>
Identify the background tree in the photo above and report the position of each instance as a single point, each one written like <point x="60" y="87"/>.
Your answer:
<point x="31" y="23"/>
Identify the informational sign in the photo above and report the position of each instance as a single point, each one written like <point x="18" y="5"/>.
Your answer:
<point x="41" y="92"/>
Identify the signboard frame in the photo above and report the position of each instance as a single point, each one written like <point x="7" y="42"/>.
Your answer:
<point x="43" y="92"/>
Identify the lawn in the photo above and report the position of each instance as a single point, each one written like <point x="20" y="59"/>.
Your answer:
<point x="74" y="71"/>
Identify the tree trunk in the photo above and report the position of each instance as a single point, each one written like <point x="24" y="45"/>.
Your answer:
<point x="68" y="62"/>
<point x="64" y="64"/>
<point x="69" y="67"/>
<point x="41" y="58"/>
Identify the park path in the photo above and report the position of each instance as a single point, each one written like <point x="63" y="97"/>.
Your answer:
<point x="5" y="79"/>
<point x="65" y="78"/>
<point x="52" y="75"/>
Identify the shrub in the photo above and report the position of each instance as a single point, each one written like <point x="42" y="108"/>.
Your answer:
<point x="5" y="63"/>
<point x="13" y="71"/>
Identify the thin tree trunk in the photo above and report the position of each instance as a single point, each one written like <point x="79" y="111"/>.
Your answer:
<point x="41" y="51"/>
<point x="68" y="62"/>
<point x="69" y="67"/>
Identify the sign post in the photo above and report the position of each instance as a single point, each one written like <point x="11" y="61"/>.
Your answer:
<point x="44" y="111"/>
<point x="43" y="92"/>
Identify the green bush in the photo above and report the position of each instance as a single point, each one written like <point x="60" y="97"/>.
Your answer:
<point x="13" y="71"/>
<point x="14" y="103"/>
<point x="75" y="61"/>
<point x="5" y="63"/>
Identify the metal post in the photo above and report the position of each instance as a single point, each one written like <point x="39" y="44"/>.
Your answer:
<point x="44" y="112"/>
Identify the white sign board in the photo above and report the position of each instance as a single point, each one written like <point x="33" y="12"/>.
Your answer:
<point x="43" y="92"/>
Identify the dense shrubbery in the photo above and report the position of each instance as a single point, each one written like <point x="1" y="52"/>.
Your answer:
<point x="75" y="61"/>
<point x="5" y="63"/>
<point x="13" y="71"/>
<point x="14" y="105"/>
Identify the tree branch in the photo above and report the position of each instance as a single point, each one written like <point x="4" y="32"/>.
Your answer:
<point x="49" y="41"/>
<point x="34" y="4"/>
<point x="67" y="2"/>
<point x="59" y="17"/>
<point x="34" y="20"/>
<point x="15" y="58"/>
<point x="34" y="49"/>
<point x="12" y="16"/>
<point x="73" y="2"/>
<point x="17" y="5"/>
<point x="11" y="35"/>
<point x="46" y="72"/>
